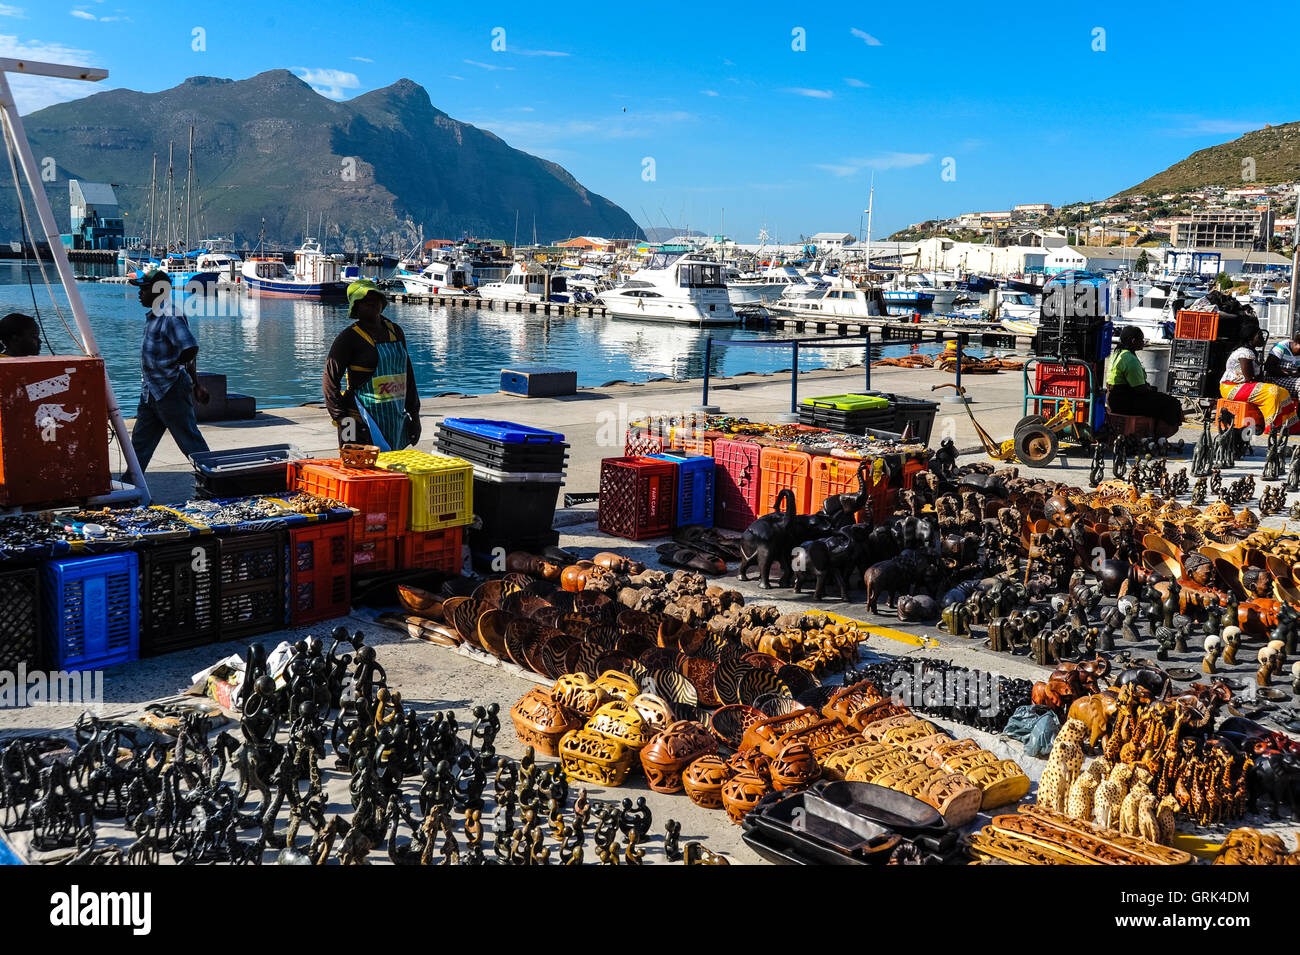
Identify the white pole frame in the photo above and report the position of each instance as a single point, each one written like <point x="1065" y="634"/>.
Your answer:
<point x="140" y="491"/>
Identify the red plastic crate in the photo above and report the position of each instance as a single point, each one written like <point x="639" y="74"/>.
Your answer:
<point x="375" y="556"/>
<point x="781" y="469"/>
<point x="1053" y="380"/>
<point x="736" y="483"/>
<point x="382" y="498"/>
<point x="432" y="550"/>
<point x="1197" y="326"/>
<point x="638" y="497"/>
<point x="637" y="442"/>
<point x="911" y="468"/>
<point x="320" y="572"/>
<point x="840" y="476"/>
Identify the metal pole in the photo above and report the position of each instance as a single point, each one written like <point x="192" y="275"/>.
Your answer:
<point x="57" y="252"/>
<point x="956" y="395"/>
<point x="704" y="407"/>
<point x="867" y="363"/>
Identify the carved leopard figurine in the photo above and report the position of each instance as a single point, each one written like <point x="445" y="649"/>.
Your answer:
<point x="1063" y="765"/>
<point x="1078" y="803"/>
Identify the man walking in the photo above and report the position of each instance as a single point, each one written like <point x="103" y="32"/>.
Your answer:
<point x="169" y="381"/>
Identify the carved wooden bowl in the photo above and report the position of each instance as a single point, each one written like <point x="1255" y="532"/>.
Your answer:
<point x="755" y="683"/>
<point x="956" y="797"/>
<point x="618" y="684"/>
<point x="700" y="673"/>
<point x="541" y="722"/>
<point x="590" y="757"/>
<point x="422" y="603"/>
<point x="554" y="653"/>
<point x="490" y="593"/>
<point x="519" y="634"/>
<point x="655" y="710"/>
<point x="764" y="734"/>
<point x="614" y="661"/>
<point x="670" y="751"/>
<point x="730" y="722"/>
<point x="794" y="767"/>
<point x="581" y="658"/>
<point x="491" y="632"/>
<point x="741" y="793"/>
<point x="465" y="619"/>
<point x="604" y="635"/>
<point x="703" y="781"/>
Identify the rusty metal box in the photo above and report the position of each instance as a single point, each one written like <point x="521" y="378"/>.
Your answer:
<point x="53" y="430"/>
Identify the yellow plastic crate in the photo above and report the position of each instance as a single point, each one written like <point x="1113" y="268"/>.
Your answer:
<point x="442" y="488"/>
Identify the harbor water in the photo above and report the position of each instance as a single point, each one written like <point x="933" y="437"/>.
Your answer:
<point x="275" y="349"/>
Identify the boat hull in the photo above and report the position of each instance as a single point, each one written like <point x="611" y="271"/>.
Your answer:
<point x="324" y="291"/>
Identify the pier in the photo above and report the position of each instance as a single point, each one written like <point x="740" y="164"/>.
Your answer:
<point x="498" y="305"/>
<point x="893" y="331"/>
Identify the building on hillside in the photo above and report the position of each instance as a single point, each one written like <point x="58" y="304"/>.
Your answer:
<point x="589" y="243"/>
<point x="1230" y="260"/>
<point x="1095" y="258"/>
<point x="832" y="241"/>
<point x="1029" y="209"/>
<point x="1222" y="228"/>
<point x="96" y="220"/>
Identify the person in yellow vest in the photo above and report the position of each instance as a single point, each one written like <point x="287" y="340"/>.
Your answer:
<point x="1129" y="392"/>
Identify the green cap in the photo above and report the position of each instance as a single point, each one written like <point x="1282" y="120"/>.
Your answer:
<point x="359" y="290"/>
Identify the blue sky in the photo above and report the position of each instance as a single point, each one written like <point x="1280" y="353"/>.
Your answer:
<point x="1019" y="96"/>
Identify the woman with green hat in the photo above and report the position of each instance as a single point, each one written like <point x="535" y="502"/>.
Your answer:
<point x="369" y="382"/>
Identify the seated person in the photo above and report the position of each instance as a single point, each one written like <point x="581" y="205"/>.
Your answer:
<point x="1129" y="392"/>
<point x="1243" y="381"/>
<point x="1282" y="365"/>
<point x="20" y="336"/>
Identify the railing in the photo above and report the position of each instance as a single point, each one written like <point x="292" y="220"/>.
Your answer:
<point x="862" y="341"/>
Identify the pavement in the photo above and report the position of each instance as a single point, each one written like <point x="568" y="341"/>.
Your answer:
<point x="432" y="677"/>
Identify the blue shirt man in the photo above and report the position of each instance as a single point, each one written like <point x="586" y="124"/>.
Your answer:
<point x="168" y="379"/>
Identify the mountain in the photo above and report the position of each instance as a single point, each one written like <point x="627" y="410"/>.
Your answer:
<point x="374" y="168"/>
<point x="1274" y="149"/>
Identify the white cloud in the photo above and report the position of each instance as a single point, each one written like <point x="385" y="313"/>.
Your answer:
<point x="533" y="135"/>
<point x="488" y="66"/>
<point x="849" y="167"/>
<point x="37" y="92"/>
<point x="329" y="83"/>
<point x="865" y="37"/>
<point x="453" y="76"/>
<point x="83" y="15"/>
<point x="9" y="11"/>
<point x="856" y="84"/>
<point x="815" y="94"/>
<point x="709" y="92"/>
<point x="540" y="53"/>
<point x="361" y="59"/>
<point x="1216" y="127"/>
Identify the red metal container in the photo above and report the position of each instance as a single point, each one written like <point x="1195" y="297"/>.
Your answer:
<point x="53" y="430"/>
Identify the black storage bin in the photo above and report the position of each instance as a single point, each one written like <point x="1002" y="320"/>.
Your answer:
<point x="918" y="412"/>
<point x="180" y="587"/>
<point x="252" y="594"/>
<point x="1072" y="341"/>
<point x="846" y="422"/>
<point x="20" y="618"/>
<point x="502" y="457"/>
<point x="1194" y="383"/>
<point x="240" y="472"/>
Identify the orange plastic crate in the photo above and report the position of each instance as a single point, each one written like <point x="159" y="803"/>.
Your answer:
<point x="701" y="443"/>
<point x="840" y="476"/>
<point x="781" y="469"/>
<point x="320" y="572"/>
<point x="382" y="498"/>
<point x="911" y="468"/>
<point x="1053" y="380"/>
<point x="432" y="550"/>
<point x="1197" y="326"/>
<point x="375" y="556"/>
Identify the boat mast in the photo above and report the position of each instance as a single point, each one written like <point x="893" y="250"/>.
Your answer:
<point x="189" y="188"/>
<point x="871" y="201"/>
<point x="153" y="184"/>
<point x="170" y="178"/>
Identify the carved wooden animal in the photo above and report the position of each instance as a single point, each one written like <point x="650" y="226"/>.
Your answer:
<point x="1166" y="823"/>
<point x="1097" y="711"/>
<point x="1106" y="803"/>
<point x="1062" y="766"/>
<point x="1148" y="824"/>
<point x="1083" y="791"/>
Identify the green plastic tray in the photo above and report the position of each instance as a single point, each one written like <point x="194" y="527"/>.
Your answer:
<point x="848" y="402"/>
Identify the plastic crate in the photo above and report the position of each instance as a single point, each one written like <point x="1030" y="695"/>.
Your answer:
<point x="849" y="402"/>
<point x="509" y="510"/>
<point x="91" y="611"/>
<point x="840" y="476"/>
<point x="695" y="479"/>
<point x="442" y="488"/>
<point x="252" y="584"/>
<point x="700" y="443"/>
<point x="780" y="470"/>
<point x="1190" y="353"/>
<point x="637" y="442"/>
<point x="736" y="483"/>
<point x="1207" y="326"/>
<point x="637" y="497"/>
<point x="180" y="591"/>
<point x="848" y="422"/>
<point x="1053" y="380"/>
<point x="242" y="471"/>
<point x="1085" y="342"/>
<point x="432" y="550"/>
<point x="320" y="572"/>
<point x="20" y="619"/>
<point x="911" y="468"/>
<point x="502" y="432"/>
<point x="918" y="412"/>
<point x="506" y="457"/>
<point x="381" y="498"/>
<point x="1193" y="383"/>
<point x="376" y="556"/>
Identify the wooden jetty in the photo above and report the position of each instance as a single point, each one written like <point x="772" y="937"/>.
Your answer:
<point x="497" y="305"/>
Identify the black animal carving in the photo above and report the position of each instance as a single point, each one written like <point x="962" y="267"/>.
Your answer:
<point x="770" y="539"/>
<point x="1276" y="775"/>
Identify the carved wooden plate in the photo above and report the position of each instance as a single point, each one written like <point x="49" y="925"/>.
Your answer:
<point x="491" y="632"/>
<point x="675" y="688"/>
<point x="519" y="633"/>
<point x="465" y="619"/>
<point x="555" y="653"/>
<point x="533" y="649"/>
<point x="659" y="658"/>
<point x="604" y="635"/>
<point x="726" y="681"/>
<point x="490" y="593"/>
<point x="773" y="704"/>
<point x="422" y="603"/>
<point x="729" y="723"/>
<point x="755" y="683"/>
<point x="548" y="616"/>
<point x="583" y="658"/>
<point x="613" y="660"/>
<point x="633" y="643"/>
<point x="638" y="621"/>
<point x="797" y="679"/>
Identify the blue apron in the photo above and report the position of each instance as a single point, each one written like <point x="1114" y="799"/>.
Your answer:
<point x="382" y="399"/>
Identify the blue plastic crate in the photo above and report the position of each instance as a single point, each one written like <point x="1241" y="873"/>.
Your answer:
<point x="695" y="473"/>
<point x="504" y="432"/>
<point x="92" y="611"/>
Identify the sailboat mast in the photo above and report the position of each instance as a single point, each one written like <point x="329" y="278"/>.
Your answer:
<point x="189" y="188"/>
<point x="170" y="179"/>
<point x="153" y="185"/>
<point x="871" y="201"/>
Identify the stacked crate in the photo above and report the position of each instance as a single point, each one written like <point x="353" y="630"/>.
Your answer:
<point x="382" y="500"/>
<point x="695" y="485"/>
<point x="1202" y="343"/>
<point x="441" y="504"/>
<point x="517" y="472"/>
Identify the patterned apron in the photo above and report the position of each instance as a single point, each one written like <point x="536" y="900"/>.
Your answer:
<point x="383" y="397"/>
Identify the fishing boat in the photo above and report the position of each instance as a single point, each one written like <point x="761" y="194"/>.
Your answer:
<point x="840" y="299"/>
<point x="527" y="285"/>
<point x="314" y="275"/>
<point x="675" y="287"/>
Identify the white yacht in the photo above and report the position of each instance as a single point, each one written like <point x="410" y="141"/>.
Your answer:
<point x="779" y="281"/>
<point x="840" y="299"/>
<point x="673" y="287"/>
<point x="940" y="298"/>
<point x="439" y="277"/>
<point x="225" y="262"/>
<point x="525" y="285"/>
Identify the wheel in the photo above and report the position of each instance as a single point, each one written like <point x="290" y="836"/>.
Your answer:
<point x="1029" y="421"/>
<point x="1036" y="446"/>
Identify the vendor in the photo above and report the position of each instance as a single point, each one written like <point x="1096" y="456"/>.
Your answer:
<point x="1129" y="392"/>
<point x="369" y="382"/>
<point x="20" y="336"/>
<point x="1243" y="381"/>
<point x="1282" y="365"/>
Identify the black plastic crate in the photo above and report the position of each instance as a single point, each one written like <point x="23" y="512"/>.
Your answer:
<point x="1206" y="356"/>
<point x="240" y="472"/>
<point x="252" y="589"/>
<point x="180" y="595"/>
<point x="847" y="422"/>
<point x="20" y="618"/>
<point x="522" y="509"/>
<point x="502" y="457"/>
<point x="918" y="412"/>
<point x="1194" y="383"/>
<point x="1077" y="342"/>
